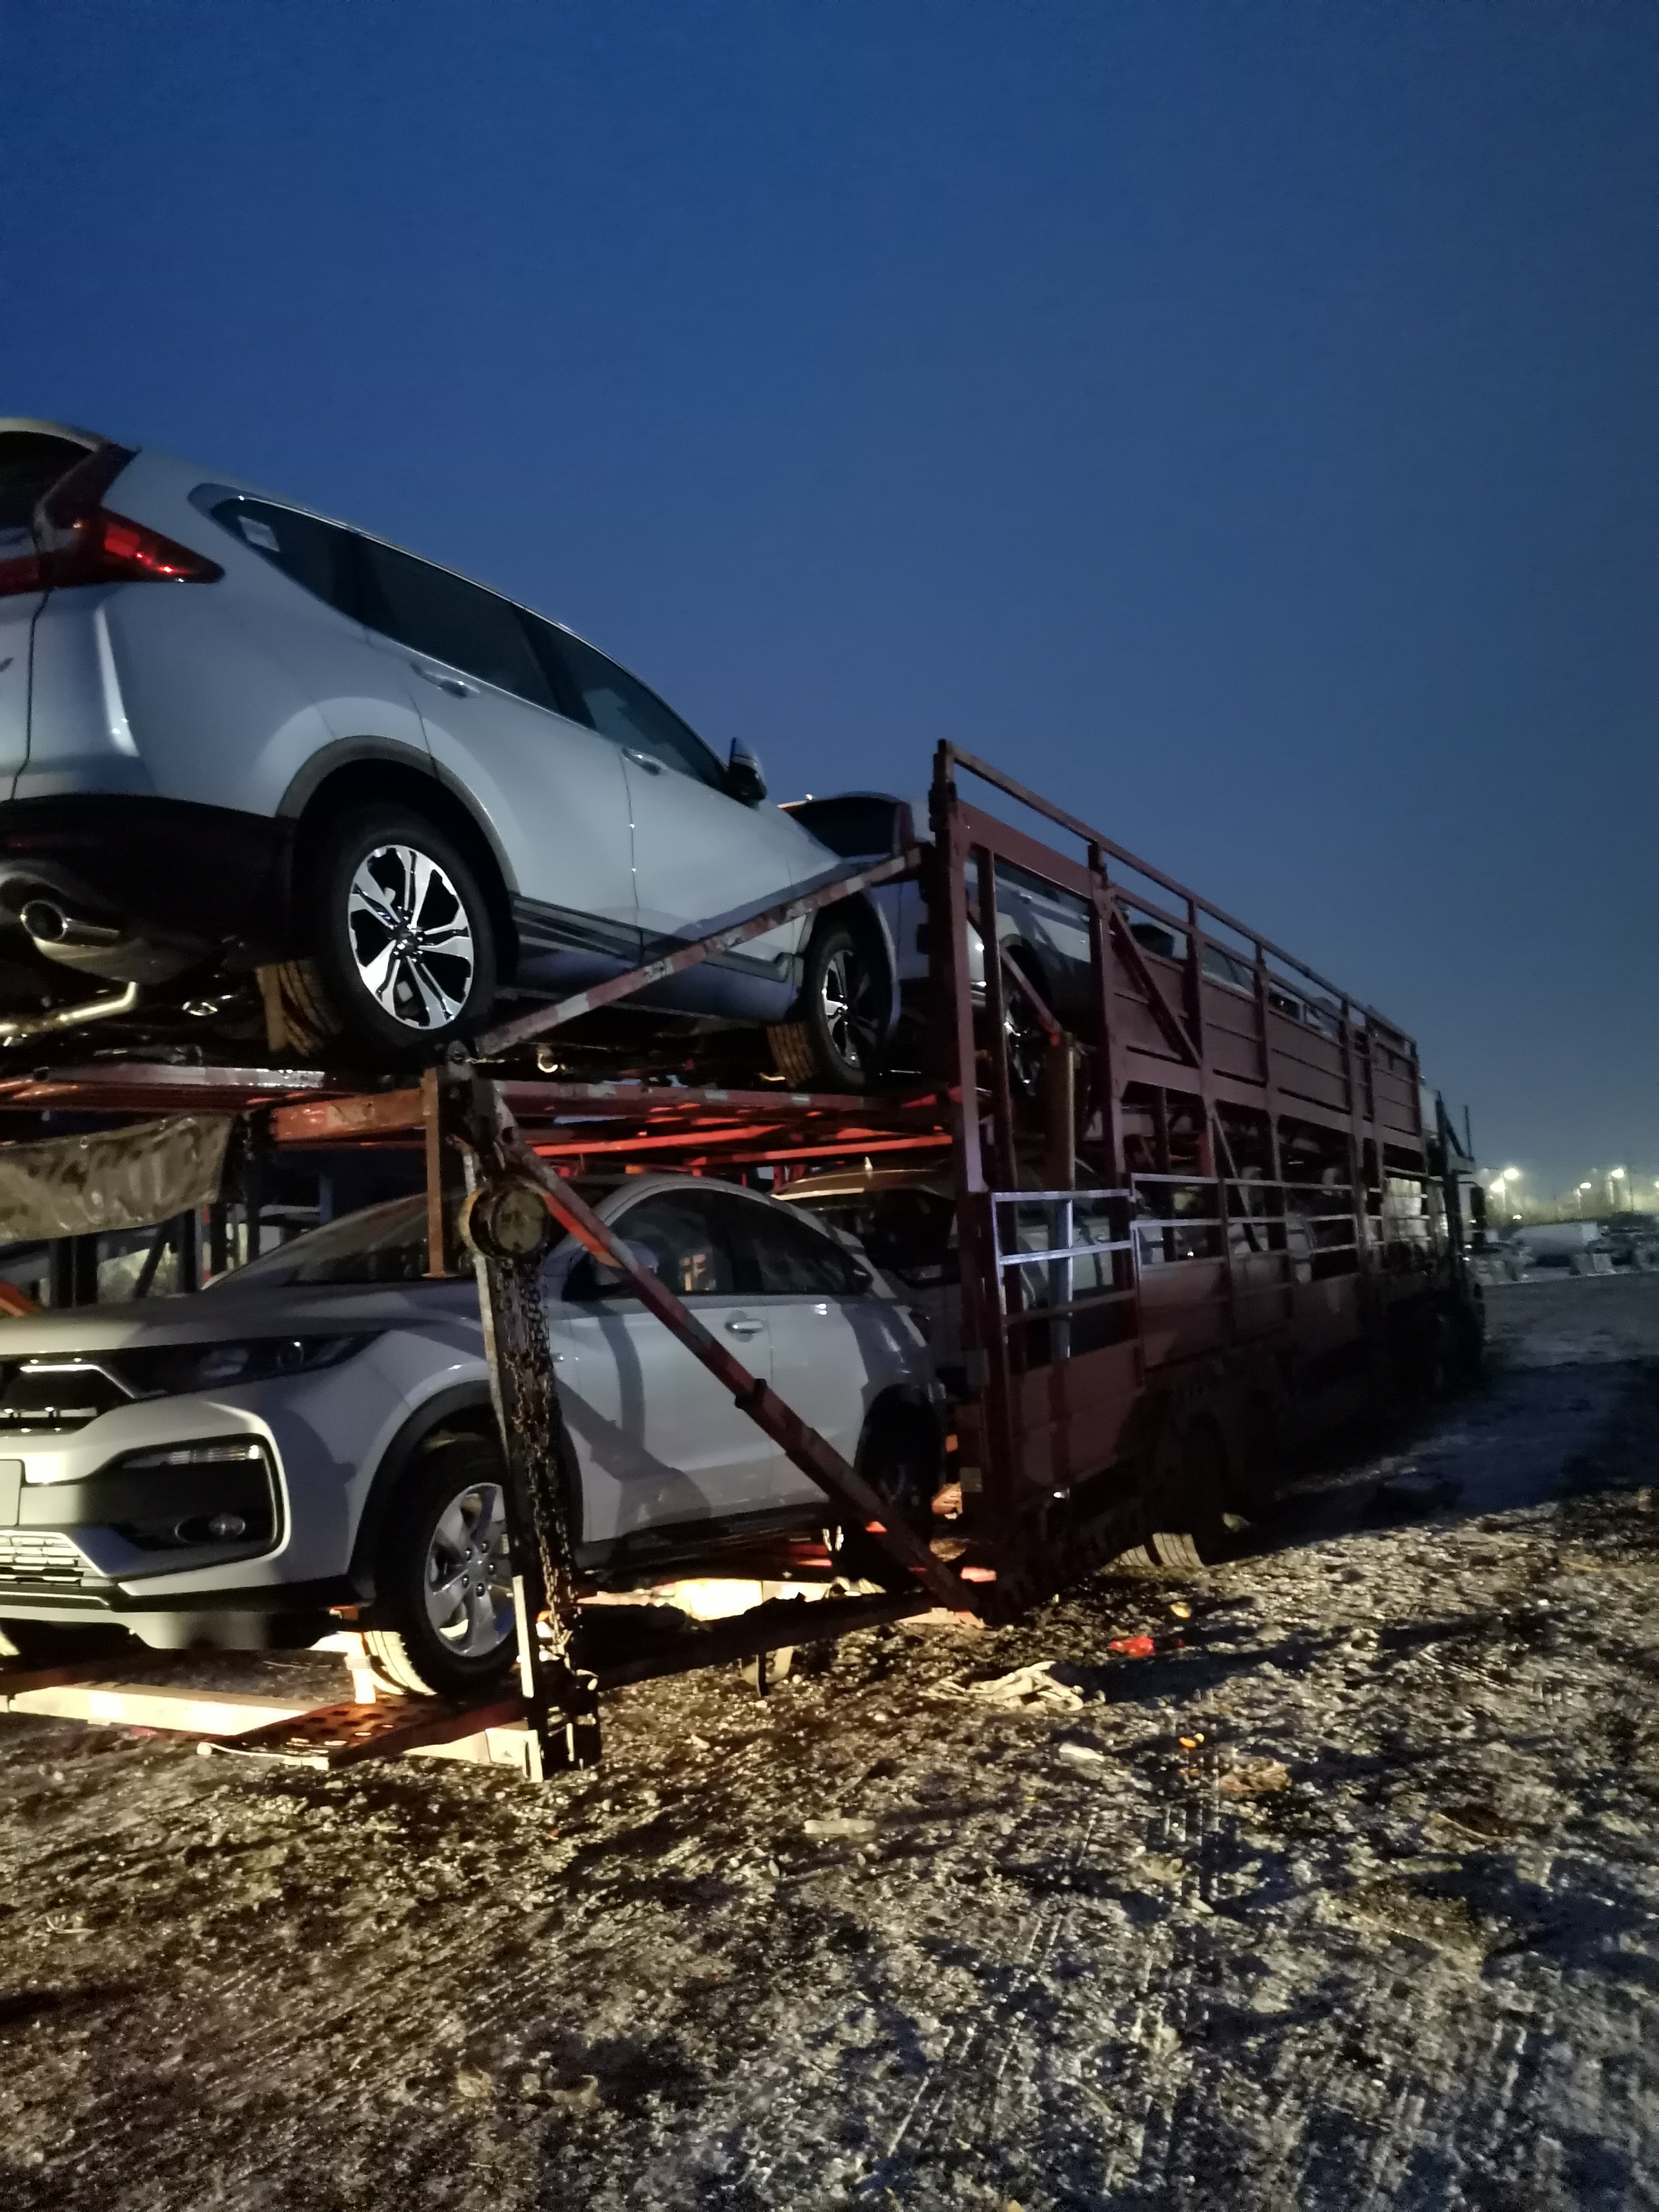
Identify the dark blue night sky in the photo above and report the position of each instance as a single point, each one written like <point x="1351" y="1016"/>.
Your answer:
<point x="1241" y="421"/>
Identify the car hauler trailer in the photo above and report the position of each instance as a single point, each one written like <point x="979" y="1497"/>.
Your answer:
<point x="1212" y="1211"/>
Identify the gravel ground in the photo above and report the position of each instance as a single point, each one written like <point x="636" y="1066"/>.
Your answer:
<point x="1344" y="1896"/>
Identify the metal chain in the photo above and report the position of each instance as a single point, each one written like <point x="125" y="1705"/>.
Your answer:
<point x="536" y="1436"/>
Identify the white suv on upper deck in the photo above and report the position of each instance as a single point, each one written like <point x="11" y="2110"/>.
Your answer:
<point x="238" y="736"/>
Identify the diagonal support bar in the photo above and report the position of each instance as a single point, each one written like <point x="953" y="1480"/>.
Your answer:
<point x="1175" y="1030"/>
<point x="544" y="1019"/>
<point x="804" y="1446"/>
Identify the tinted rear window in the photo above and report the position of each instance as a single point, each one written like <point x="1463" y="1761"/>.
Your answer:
<point x="31" y="462"/>
<point x="318" y="555"/>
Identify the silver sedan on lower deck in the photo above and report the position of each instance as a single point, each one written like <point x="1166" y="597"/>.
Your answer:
<point x="315" y="1429"/>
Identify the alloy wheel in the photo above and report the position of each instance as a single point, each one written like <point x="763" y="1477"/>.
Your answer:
<point x="468" y="1573"/>
<point x="411" y="936"/>
<point x="851" y="1019"/>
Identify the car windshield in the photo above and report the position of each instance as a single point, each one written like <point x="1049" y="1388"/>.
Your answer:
<point x="382" y="1244"/>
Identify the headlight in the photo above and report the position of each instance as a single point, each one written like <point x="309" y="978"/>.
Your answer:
<point x="222" y="1451"/>
<point x="168" y="1371"/>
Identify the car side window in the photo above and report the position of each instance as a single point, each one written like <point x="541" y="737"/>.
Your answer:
<point x="319" y="557"/>
<point x="689" y="1242"/>
<point x="620" y="708"/>
<point x="434" y="612"/>
<point x="794" y="1259"/>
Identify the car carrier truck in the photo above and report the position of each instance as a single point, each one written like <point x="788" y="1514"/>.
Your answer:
<point x="1193" y="1199"/>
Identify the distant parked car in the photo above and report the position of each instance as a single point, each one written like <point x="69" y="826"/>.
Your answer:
<point x="1633" y="1240"/>
<point x="315" y="1429"/>
<point x="235" y="735"/>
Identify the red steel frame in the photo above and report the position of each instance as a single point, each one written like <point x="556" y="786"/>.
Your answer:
<point x="1222" y="1283"/>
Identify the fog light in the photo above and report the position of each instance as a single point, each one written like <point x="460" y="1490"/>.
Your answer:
<point x="226" y="1526"/>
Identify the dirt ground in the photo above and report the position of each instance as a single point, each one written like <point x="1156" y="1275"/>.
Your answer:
<point x="1346" y="1896"/>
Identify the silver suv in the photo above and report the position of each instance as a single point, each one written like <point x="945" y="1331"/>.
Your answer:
<point x="238" y="740"/>
<point x="315" y="1429"/>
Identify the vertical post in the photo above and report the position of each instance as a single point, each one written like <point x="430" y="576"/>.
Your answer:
<point x="1270" y="1098"/>
<point x="560" y="1698"/>
<point x="73" y="1271"/>
<point x="984" y="1427"/>
<point x="1006" y="1175"/>
<point x="188" y="1245"/>
<point x="1060" y="1173"/>
<point x="253" y="1190"/>
<point x="218" y="1239"/>
<point x="443" y="1178"/>
<point x="1360" y="1194"/>
<point x="1100" y="964"/>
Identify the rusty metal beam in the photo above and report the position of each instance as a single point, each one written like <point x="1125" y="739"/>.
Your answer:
<point x="368" y="1114"/>
<point x="510" y="1034"/>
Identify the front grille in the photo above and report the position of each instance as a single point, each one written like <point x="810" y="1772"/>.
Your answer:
<point x="42" y="1558"/>
<point x="50" y="1397"/>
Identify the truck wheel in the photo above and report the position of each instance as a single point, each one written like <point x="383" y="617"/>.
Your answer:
<point x="402" y="956"/>
<point x="1193" y="1499"/>
<point x="838" y="1045"/>
<point x="444" y="1591"/>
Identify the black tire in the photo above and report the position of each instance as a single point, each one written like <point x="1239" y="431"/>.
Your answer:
<point x="433" y="992"/>
<point x="451" y="1503"/>
<point x="900" y="1458"/>
<point x="1194" y="1477"/>
<point x="1025" y="1039"/>
<point x="840" y="1042"/>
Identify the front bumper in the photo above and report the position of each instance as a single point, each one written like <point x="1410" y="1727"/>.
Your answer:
<point x="167" y="885"/>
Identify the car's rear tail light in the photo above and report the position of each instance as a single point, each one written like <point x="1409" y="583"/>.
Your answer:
<point x="78" y="541"/>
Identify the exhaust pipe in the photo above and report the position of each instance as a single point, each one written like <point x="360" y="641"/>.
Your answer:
<point x="14" y="1029"/>
<point x="48" y="923"/>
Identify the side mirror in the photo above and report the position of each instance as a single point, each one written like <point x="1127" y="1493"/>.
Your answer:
<point x="743" y="779"/>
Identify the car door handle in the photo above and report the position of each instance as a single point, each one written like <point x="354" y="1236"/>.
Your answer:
<point x="740" y="1326"/>
<point x="642" y="760"/>
<point x="455" y="685"/>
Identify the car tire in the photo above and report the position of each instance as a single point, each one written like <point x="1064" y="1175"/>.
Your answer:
<point x="1025" y="1039"/>
<point x="443" y="1622"/>
<point x="838" y="1044"/>
<point x="398" y="997"/>
<point x="900" y="1458"/>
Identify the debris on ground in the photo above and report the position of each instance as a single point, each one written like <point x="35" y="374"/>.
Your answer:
<point x="1255" y="1778"/>
<point x="1075" y="1976"/>
<point x="1046" y="1685"/>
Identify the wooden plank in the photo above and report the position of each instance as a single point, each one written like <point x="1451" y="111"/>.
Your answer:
<point x="132" y="1704"/>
